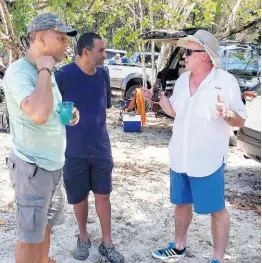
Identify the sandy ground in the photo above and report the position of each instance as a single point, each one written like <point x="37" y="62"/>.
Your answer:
<point x="142" y="216"/>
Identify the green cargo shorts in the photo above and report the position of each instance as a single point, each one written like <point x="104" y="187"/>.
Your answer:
<point x="39" y="198"/>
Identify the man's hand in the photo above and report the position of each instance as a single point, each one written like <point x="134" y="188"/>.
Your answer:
<point x="222" y="111"/>
<point x="45" y="61"/>
<point x="76" y="117"/>
<point x="164" y="101"/>
<point x="148" y="96"/>
<point x="39" y="105"/>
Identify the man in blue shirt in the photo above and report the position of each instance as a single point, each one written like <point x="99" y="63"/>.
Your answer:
<point x="89" y="161"/>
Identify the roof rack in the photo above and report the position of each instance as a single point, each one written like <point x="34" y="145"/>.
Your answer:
<point x="238" y="43"/>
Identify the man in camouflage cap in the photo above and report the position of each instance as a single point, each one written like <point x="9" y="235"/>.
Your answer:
<point x="37" y="159"/>
<point x="48" y="21"/>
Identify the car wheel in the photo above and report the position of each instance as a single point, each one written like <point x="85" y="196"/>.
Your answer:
<point x="233" y="137"/>
<point x="130" y="95"/>
<point x="5" y="121"/>
<point x="2" y="96"/>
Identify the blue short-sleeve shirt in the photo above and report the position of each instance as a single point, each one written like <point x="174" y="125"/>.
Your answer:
<point x="91" y="96"/>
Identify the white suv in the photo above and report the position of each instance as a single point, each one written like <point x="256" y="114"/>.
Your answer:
<point x="249" y="136"/>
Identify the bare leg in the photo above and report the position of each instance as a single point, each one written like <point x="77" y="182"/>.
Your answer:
<point x="34" y="252"/>
<point x="28" y="252"/>
<point x="46" y="246"/>
<point x="103" y="208"/>
<point x="183" y="217"/>
<point x="81" y="212"/>
<point x="220" y="231"/>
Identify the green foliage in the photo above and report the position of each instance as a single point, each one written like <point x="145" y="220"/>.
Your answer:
<point x="119" y="35"/>
<point x="23" y="12"/>
<point x="119" y="22"/>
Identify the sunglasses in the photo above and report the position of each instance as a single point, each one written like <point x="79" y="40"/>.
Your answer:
<point x="188" y="52"/>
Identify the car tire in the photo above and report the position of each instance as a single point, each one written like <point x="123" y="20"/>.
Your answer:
<point x="2" y="96"/>
<point x="5" y="126"/>
<point x="233" y="137"/>
<point x="130" y="94"/>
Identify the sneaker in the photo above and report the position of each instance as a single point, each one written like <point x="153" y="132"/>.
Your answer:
<point x="81" y="251"/>
<point x="169" y="252"/>
<point x="111" y="254"/>
<point x="213" y="261"/>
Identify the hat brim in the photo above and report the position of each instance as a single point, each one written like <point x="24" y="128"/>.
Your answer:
<point x="183" y="42"/>
<point x="68" y="30"/>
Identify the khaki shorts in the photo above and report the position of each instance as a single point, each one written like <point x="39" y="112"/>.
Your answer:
<point x="39" y="199"/>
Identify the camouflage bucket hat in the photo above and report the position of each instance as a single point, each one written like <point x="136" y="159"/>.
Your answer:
<point x="50" y="21"/>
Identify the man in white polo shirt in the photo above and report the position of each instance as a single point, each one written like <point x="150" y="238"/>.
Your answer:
<point x="206" y="101"/>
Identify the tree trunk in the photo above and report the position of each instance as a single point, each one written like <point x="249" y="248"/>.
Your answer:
<point x="7" y="34"/>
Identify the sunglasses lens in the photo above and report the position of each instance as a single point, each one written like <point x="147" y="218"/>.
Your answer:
<point x="188" y="52"/>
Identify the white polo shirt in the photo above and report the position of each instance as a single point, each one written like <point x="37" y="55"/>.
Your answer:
<point x="200" y="140"/>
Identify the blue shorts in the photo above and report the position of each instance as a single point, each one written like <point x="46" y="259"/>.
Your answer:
<point x="82" y="175"/>
<point x="206" y="193"/>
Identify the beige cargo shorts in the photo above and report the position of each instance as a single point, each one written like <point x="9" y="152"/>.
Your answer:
<point x="39" y="198"/>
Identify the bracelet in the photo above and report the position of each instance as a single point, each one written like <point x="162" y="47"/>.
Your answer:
<point x="45" y="68"/>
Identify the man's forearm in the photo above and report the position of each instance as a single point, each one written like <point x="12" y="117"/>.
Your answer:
<point x="38" y="106"/>
<point x="167" y="108"/>
<point x="235" y="120"/>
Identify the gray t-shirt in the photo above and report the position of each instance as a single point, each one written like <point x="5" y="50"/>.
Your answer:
<point x="43" y="144"/>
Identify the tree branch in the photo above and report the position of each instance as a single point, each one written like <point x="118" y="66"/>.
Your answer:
<point x="231" y="19"/>
<point x="3" y="36"/>
<point x="187" y="12"/>
<point x="3" y="16"/>
<point x="238" y="29"/>
<point x="133" y="12"/>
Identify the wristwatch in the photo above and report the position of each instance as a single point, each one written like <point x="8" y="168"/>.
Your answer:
<point x="228" y="116"/>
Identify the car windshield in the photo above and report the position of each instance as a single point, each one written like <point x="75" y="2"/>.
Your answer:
<point x="137" y="58"/>
<point x="242" y="61"/>
<point x="111" y="54"/>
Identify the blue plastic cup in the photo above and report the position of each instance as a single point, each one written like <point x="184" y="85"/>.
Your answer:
<point x="65" y="110"/>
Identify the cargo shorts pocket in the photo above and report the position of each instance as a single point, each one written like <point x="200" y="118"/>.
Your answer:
<point x="31" y="214"/>
<point x="10" y="163"/>
<point x="31" y="170"/>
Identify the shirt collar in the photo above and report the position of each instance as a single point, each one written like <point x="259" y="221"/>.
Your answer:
<point x="207" y="80"/>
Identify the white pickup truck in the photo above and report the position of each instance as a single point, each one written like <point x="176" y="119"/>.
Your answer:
<point x="129" y="76"/>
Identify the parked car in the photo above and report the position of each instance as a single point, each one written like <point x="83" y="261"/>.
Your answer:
<point x="112" y="52"/>
<point x="137" y="57"/>
<point x="242" y="59"/>
<point x="4" y="116"/>
<point x="2" y="94"/>
<point x="249" y="136"/>
<point x="130" y="73"/>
